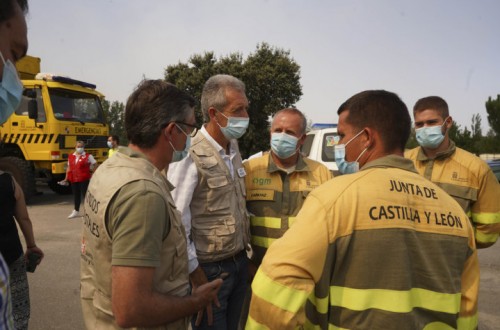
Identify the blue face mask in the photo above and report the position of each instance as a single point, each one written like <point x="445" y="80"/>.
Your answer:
<point x="344" y="166"/>
<point x="11" y="90"/>
<point x="235" y="128"/>
<point x="110" y="145"/>
<point x="283" y="145"/>
<point x="430" y="136"/>
<point x="180" y="155"/>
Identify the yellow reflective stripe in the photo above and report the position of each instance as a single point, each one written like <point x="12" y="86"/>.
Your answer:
<point x="254" y="325"/>
<point x="393" y="300"/>
<point x="486" y="238"/>
<point x="437" y="326"/>
<point x="465" y="323"/>
<point x="261" y="241"/>
<point x="268" y="222"/>
<point x="322" y="304"/>
<point x="486" y="218"/>
<point x="291" y="220"/>
<point x="283" y="297"/>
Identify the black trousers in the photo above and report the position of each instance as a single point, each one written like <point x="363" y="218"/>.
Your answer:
<point x="79" y="190"/>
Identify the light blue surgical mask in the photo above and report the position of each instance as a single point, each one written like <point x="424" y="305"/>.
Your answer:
<point x="235" y="128"/>
<point x="283" y="145"/>
<point x="11" y="90"/>
<point x="344" y="166"/>
<point x="430" y="136"/>
<point x="110" y="145"/>
<point x="180" y="155"/>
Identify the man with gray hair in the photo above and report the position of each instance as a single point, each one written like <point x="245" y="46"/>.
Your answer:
<point x="210" y="193"/>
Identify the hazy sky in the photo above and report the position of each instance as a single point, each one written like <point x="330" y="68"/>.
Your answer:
<point x="419" y="48"/>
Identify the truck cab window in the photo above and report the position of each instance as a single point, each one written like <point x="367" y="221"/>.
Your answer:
<point x="22" y="110"/>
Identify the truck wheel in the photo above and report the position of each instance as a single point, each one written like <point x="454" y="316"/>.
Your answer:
<point x="22" y="172"/>
<point x="58" y="189"/>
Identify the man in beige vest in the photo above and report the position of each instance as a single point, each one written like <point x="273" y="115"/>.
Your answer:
<point x="210" y="193"/>
<point x="133" y="254"/>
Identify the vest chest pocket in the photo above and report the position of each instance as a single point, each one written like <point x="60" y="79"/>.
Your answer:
<point x="219" y="237"/>
<point x="218" y="194"/>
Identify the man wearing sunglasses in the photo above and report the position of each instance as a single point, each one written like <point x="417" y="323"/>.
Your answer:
<point x="210" y="193"/>
<point x="134" y="266"/>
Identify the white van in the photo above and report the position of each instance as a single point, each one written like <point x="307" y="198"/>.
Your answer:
<point x="319" y="146"/>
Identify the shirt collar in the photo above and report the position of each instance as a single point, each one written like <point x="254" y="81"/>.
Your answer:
<point x="391" y="161"/>
<point x="300" y="166"/>
<point x="216" y="145"/>
<point x="421" y="156"/>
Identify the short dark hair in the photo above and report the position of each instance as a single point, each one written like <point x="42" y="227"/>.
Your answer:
<point x="150" y="108"/>
<point x="7" y="8"/>
<point x="115" y="138"/>
<point x="295" y="112"/>
<point x="432" y="102"/>
<point x="383" y="111"/>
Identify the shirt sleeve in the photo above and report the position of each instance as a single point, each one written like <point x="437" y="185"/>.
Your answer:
<point x="91" y="159"/>
<point x="289" y="271"/>
<point x="184" y="176"/>
<point x="486" y="210"/>
<point x="138" y="222"/>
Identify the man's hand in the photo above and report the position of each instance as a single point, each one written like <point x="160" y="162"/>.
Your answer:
<point x="207" y="292"/>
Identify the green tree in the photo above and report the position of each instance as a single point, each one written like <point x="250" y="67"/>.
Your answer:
<point x="271" y="77"/>
<point x="493" y="110"/>
<point x="115" y="115"/>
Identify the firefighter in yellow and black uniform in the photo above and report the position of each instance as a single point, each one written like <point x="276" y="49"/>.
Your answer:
<point x="278" y="182"/>
<point x="382" y="248"/>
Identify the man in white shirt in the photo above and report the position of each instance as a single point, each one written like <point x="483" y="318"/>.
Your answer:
<point x="210" y="193"/>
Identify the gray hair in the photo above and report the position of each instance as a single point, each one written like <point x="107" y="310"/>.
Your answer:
<point x="214" y="92"/>
<point x="297" y="112"/>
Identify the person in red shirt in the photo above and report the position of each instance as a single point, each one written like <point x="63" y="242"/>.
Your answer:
<point x="78" y="173"/>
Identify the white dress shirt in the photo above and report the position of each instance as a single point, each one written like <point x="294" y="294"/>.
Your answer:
<point x="184" y="176"/>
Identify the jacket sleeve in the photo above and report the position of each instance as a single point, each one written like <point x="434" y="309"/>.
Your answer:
<point x="290" y="269"/>
<point x="486" y="210"/>
<point x="468" y="318"/>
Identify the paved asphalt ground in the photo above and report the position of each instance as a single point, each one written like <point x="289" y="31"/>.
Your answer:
<point x="55" y="284"/>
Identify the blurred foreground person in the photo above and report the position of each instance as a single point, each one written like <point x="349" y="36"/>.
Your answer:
<point x="381" y="248"/>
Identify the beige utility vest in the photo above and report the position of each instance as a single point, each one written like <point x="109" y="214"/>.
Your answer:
<point x="171" y="277"/>
<point x="219" y="225"/>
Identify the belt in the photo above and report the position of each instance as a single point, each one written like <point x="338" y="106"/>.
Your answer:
<point x="233" y="258"/>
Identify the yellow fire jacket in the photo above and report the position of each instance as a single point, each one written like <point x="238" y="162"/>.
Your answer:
<point x="470" y="181"/>
<point x="274" y="197"/>
<point x="380" y="249"/>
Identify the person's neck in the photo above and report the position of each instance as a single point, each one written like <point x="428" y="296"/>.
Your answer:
<point x="214" y="130"/>
<point x="154" y="155"/>
<point x="432" y="153"/>
<point x="287" y="162"/>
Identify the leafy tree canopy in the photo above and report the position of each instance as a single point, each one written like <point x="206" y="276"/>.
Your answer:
<point x="115" y="116"/>
<point x="272" y="82"/>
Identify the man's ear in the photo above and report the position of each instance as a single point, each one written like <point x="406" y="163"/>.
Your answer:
<point x="168" y="130"/>
<point x="212" y="112"/>
<point x="370" y="137"/>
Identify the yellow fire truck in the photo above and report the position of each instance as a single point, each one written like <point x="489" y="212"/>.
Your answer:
<point x="54" y="113"/>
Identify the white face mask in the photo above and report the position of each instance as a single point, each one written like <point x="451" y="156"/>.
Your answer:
<point x="79" y="150"/>
<point x="235" y="128"/>
<point x="430" y="136"/>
